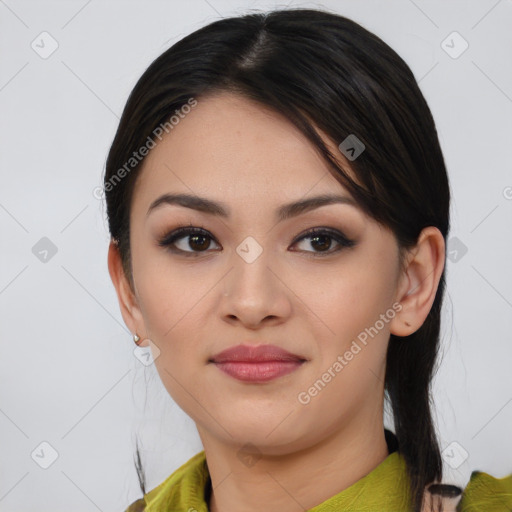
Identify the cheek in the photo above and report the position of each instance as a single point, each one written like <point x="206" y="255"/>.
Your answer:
<point x="177" y="303"/>
<point x="348" y="299"/>
<point x="172" y="309"/>
<point x="168" y="291"/>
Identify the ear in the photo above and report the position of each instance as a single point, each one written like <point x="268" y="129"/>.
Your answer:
<point x="419" y="281"/>
<point x="128" y="302"/>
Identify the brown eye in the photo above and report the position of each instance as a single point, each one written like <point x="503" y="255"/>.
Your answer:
<point x="189" y="240"/>
<point x="321" y="240"/>
<point x="198" y="242"/>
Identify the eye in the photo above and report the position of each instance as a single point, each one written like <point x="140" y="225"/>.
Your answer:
<point x="198" y="240"/>
<point x="321" y="239"/>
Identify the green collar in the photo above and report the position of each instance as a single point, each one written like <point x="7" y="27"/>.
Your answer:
<point x="384" y="489"/>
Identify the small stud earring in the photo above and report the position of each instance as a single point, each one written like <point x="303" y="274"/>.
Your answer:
<point x="136" y="338"/>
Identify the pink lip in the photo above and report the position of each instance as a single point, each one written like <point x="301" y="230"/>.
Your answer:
<point x="256" y="363"/>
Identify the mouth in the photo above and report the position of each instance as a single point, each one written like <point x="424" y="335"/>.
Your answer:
<point x="260" y="363"/>
<point x="258" y="372"/>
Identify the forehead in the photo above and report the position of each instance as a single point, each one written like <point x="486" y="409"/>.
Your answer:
<point x="230" y="146"/>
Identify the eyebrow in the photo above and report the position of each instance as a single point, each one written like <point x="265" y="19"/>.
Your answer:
<point x="284" y="212"/>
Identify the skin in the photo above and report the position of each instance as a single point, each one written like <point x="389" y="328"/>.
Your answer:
<point x="309" y="302"/>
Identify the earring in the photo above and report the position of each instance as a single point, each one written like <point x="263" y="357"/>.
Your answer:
<point x="136" y="338"/>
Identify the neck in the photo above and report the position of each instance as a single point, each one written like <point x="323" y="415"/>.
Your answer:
<point x="303" y="478"/>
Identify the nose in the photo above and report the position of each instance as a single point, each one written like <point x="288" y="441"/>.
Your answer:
<point x="254" y="291"/>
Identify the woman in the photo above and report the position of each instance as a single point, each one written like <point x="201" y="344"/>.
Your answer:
<point x="278" y="205"/>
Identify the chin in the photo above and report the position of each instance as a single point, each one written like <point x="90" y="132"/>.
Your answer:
<point x="271" y="437"/>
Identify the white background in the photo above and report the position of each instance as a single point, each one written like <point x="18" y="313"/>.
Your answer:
<point x="68" y="375"/>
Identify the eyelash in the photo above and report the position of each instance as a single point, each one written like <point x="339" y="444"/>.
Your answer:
<point x="169" y="239"/>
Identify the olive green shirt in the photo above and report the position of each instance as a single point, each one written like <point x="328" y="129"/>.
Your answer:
<point x="384" y="489"/>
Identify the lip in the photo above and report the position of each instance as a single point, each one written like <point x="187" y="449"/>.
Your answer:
<point x="255" y="354"/>
<point x="259" y="363"/>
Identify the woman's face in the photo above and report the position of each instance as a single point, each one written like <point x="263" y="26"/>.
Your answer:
<point x="251" y="277"/>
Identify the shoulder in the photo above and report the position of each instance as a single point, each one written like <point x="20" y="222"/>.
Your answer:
<point x="137" y="506"/>
<point x="485" y="492"/>
<point x="482" y="493"/>
<point x="185" y="484"/>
